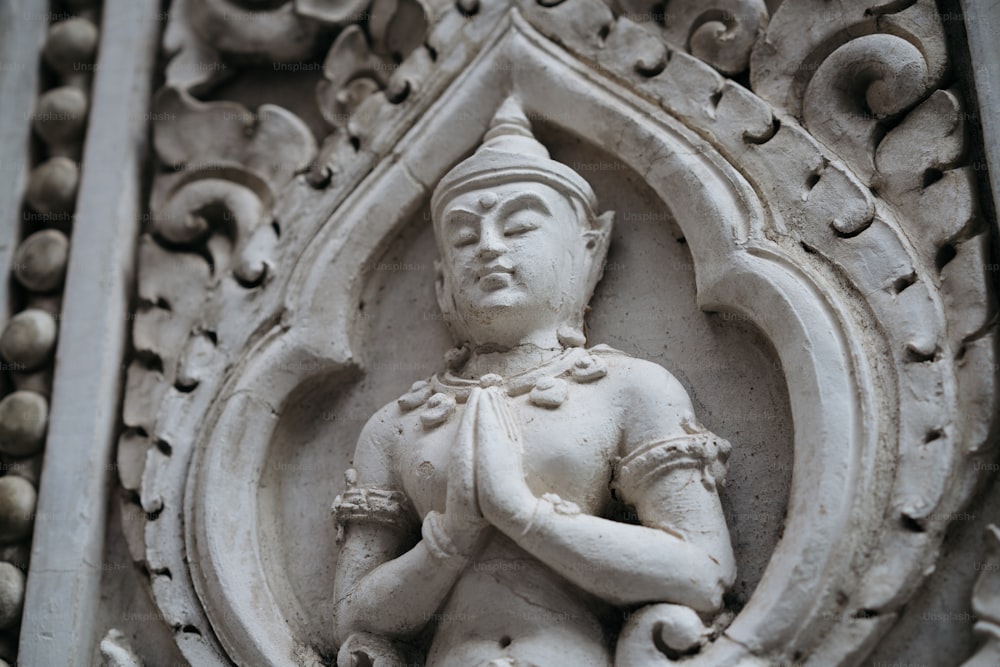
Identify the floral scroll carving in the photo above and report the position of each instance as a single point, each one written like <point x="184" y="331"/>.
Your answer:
<point x="720" y="33"/>
<point x="226" y="180"/>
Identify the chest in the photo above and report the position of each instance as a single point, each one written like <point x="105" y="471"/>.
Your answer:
<point x="568" y="450"/>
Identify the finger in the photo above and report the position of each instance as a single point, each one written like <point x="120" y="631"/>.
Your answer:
<point x="498" y="459"/>
<point x="488" y="455"/>
<point x="461" y="494"/>
<point x="488" y="424"/>
<point x="493" y="430"/>
<point x="469" y="416"/>
<point x="503" y="414"/>
<point x="511" y="422"/>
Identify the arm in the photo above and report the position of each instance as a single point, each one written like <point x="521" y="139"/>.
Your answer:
<point x="620" y="563"/>
<point x="681" y="554"/>
<point x="393" y="598"/>
<point x="378" y="590"/>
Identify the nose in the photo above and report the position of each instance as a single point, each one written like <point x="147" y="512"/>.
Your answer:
<point x="491" y="243"/>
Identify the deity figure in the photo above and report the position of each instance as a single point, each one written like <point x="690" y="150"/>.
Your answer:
<point x="537" y="499"/>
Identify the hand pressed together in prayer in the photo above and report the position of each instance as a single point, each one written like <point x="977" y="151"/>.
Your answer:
<point x="486" y="482"/>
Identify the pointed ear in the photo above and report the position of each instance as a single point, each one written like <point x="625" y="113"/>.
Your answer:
<point x="599" y="237"/>
<point x="442" y="291"/>
<point x="605" y="221"/>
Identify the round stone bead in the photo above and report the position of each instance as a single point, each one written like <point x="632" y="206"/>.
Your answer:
<point x="11" y="595"/>
<point x="23" y="419"/>
<point x="40" y="262"/>
<point x="61" y="116"/>
<point x="29" y="339"/>
<point x="17" y="508"/>
<point x="52" y="186"/>
<point x="71" y="45"/>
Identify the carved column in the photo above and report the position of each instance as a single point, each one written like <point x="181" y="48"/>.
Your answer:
<point x="68" y="547"/>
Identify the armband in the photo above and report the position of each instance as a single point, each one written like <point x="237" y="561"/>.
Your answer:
<point x="703" y="450"/>
<point x="374" y="506"/>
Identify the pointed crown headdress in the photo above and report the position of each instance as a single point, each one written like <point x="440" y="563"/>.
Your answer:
<point x="510" y="152"/>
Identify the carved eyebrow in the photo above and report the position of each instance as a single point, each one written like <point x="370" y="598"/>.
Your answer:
<point x="459" y="216"/>
<point x="526" y="200"/>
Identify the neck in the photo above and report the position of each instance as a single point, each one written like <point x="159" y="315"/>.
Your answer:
<point x="510" y="360"/>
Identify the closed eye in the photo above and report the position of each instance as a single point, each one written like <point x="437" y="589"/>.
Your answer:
<point x="464" y="238"/>
<point x="519" y="229"/>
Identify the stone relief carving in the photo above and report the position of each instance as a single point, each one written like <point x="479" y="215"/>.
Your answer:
<point x="721" y="33"/>
<point x="856" y="254"/>
<point x="511" y="462"/>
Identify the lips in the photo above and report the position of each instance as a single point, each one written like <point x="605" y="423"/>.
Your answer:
<point x="494" y="269"/>
<point x="494" y="277"/>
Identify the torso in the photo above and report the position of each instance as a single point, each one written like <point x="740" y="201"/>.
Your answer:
<point x="507" y="604"/>
<point x="567" y="450"/>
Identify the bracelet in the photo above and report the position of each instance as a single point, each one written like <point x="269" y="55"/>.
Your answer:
<point x="438" y="543"/>
<point x="547" y="505"/>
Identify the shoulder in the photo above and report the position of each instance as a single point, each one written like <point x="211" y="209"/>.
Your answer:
<point x="382" y="428"/>
<point x="384" y="431"/>
<point x="657" y="417"/>
<point x="378" y="445"/>
<point x="660" y="431"/>
<point x="643" y="385"/>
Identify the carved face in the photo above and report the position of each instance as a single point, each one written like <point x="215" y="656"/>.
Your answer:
<point x="510" y="256"/>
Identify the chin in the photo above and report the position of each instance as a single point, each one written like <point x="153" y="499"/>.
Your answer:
<point x="504" y="299"/>
<point x="499" y="310"/>
<point x="487" y="311"/>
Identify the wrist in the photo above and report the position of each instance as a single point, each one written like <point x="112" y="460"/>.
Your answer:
<point x="545" y="513"/>
<point x="440" y="544"/>
<point x="509" y="510"/>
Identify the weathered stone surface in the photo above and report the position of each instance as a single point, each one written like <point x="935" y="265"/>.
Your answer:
<point x="818" y="215"/>
<point x="801" y="238"/>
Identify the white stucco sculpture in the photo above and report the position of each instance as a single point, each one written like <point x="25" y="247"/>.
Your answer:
<point x="800" y="239"/>
<point x="485" y="519"/>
